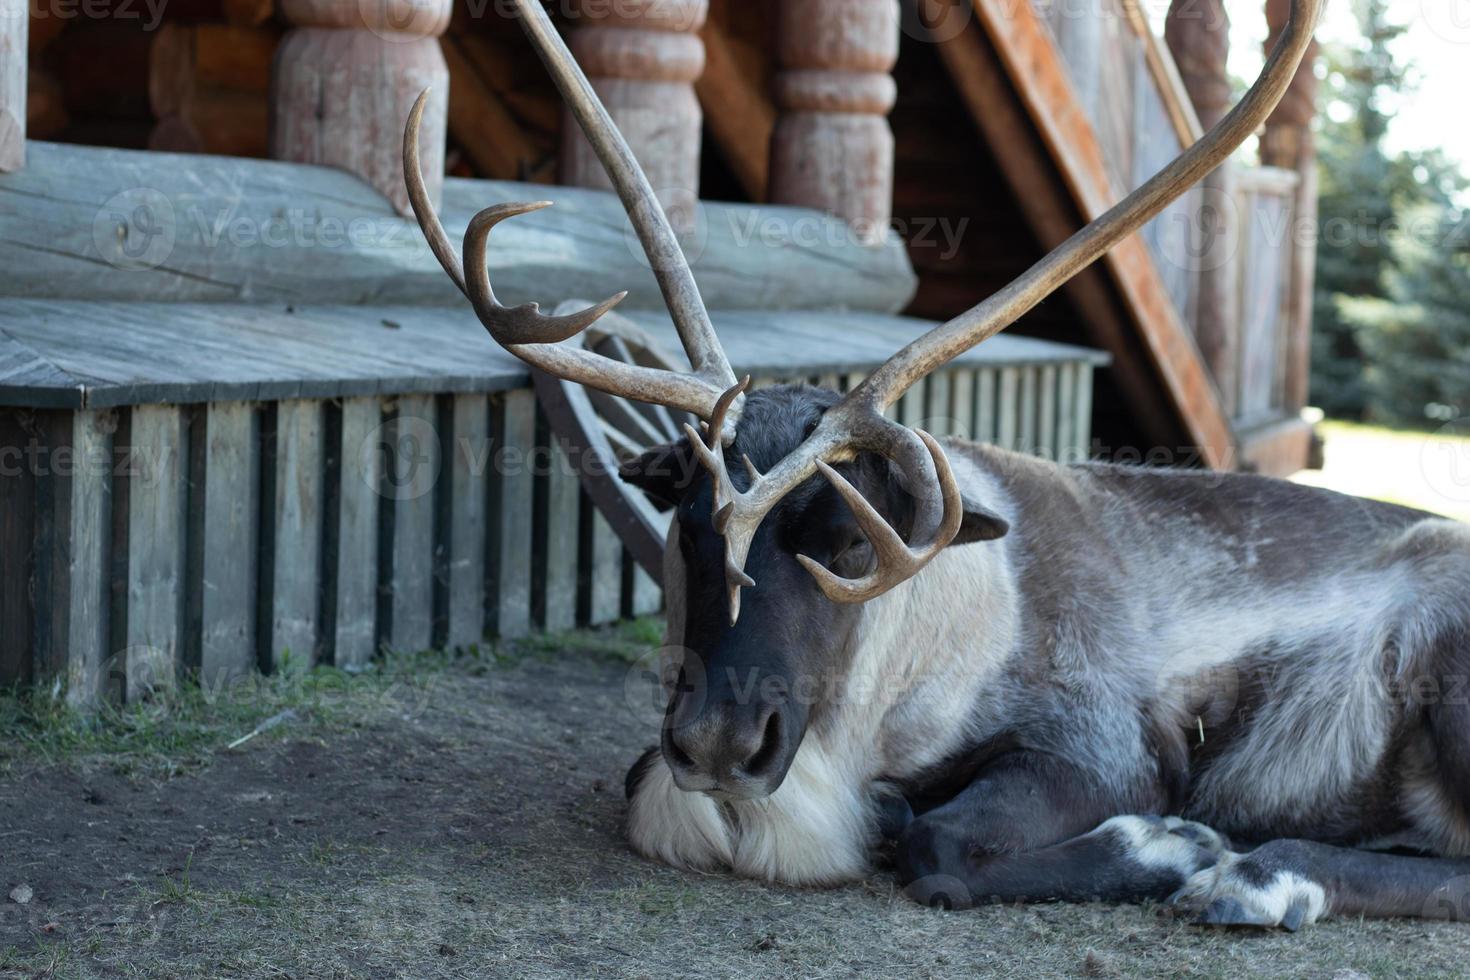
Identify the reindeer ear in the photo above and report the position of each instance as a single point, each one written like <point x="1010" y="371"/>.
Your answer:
<point x="663" y="472"/>
<point x="980" y="524"/>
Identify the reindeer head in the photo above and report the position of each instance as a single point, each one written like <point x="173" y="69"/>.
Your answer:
<point x="815" y="528"/>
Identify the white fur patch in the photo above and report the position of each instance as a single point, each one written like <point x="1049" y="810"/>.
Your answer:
<point x="1154" y="844"/>
<point x="1266" y="905"/>
<point x="816" y="829"/>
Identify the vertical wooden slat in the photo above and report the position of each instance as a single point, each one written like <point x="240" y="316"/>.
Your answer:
<point x="985" y="421"/>
<point x="830" y="381"/>
<point x="606" y="572"/>
<point x="1083" y="408"/>
<point x="230" y="546"/>
<point x="911" y="405"/>
<point x="563" y="496"/>
<point x="17" y="559"/>
<point x="471" y="458"/>
<point x="295" y="599"/>
<point x="411" y="470"/>
<point x="1027" y="434"/>
<point x="89" y="524"/>
<point x="14" y="22"/>
<point x="1046" y="414"/>
<point x="1068" y="450"/>
<point x="963" y="393"/>
<point x="1008" y="420"/>
<point x="156" y="517"/>
<point x="515" y="496"/>
<point x="354" y="602"/>
<point x="647" y="596"/>
<point x="939" y="418"/>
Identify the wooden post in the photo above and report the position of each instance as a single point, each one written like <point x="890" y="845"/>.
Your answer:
<point x="643" y="57"/>
<point x="1288" y="143"/>
<point x="1198" y="35"/>
<point x="344" y="80"/>
<point x="833" y="148"/>
<point x="15" y="18"/>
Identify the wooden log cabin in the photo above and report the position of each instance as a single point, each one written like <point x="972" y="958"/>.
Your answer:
<point x="246" y="423"/>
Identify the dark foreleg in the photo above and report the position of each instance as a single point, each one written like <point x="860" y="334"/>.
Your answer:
<point x="1291" y="883"/>
<point x="1027" y="830"/>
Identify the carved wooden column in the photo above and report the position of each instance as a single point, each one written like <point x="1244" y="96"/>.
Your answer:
<point x="833" y="148"/>
<point x="344" y="80"/>
<point x="1288" y="143"/>
<point x="15" y="18"/>
<point x="1198" y="35"/>
<point x="643" y="57"/>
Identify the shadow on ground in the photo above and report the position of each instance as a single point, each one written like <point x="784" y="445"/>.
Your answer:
<point x="474" y="829"/>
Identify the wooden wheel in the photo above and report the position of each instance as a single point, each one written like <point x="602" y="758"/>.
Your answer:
<point x="599" y="431"/>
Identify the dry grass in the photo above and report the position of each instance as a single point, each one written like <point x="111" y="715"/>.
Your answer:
<point x="475" y="830"/>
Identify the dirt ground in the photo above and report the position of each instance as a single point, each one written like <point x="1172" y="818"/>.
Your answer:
<point x="467" y="822"/>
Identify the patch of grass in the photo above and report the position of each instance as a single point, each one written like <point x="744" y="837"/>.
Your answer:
<point x="623" y="642"/>
<point x="177" y="891"/>
<point x="178" y="729"/>
<point x="1425" y="470"/>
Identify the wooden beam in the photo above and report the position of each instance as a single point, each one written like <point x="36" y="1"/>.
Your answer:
<point x="986" y="92"/>
<point x="1278" y="448"/>
<point x="482" y="124"/>
<point x="1041" y="80"/>
<point x="14" y="23"/>
<point x="738" y="112"/>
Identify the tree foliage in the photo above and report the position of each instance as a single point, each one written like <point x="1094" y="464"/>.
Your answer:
<point x="1389" y="339"/>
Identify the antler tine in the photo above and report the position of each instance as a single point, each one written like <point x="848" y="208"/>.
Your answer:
<point x="898" y="560"/>
<point x="519" y="325"/>
<point x="670" y="266"/>
<point x="524" y="331"/>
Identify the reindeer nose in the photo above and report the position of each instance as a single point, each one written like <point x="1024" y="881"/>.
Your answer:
<point x="726" y="747"/>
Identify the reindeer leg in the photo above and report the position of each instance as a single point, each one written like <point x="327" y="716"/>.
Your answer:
<point x="1017" y="834"/>
<point x="1291" y="883"/>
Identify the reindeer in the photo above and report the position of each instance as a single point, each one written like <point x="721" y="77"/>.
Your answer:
<point x="1029" y="681"/>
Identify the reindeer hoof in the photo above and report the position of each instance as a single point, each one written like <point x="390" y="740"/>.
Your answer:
<point x="1263" y="890"/>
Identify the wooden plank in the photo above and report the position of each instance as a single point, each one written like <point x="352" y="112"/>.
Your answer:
<point x="1046" y="413"/>
<point x="606" y="580"/>
<point x="512" y="519"/>
<point x="1035" y="69"/>
<point x="1068" y="448"/>
<point x="482" y="124"/>
<point x="911" y="404"/>
<point x="156" y="518"/>
<point x="563" y="493"/>
<point x="578" y="248"/>
<point x="354" y="606"/>
<point x="648" y="598"/>
<point x="17" y="547"/>
<point x="412" y="468"/>
<point x="939" y="413"/>
<point x="1027" y="433"/>
<point x="739" y="114"/>
<point x="983" y="79"/>
<point x="14" y="19"/>
<point x="230" y="548"/>
<point x="470" y="467"/>
<point x="1082" y="428"/>
<point x="1008" y="418"/>
<point x="963" y="391"/>
<point x="292" y="631"/>
<point x="86" y="652"/>
<point x="985" y="407"/>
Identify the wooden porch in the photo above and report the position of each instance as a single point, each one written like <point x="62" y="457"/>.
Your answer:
<point x="225" y="381"/>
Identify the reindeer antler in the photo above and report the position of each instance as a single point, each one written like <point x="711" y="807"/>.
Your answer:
<point x="856" y="424"/>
